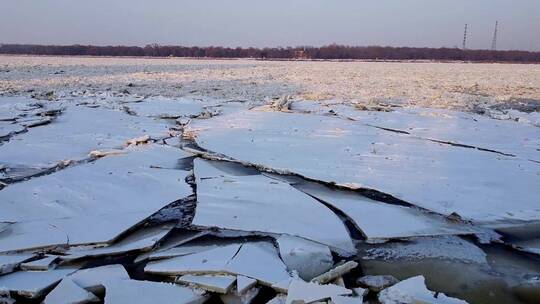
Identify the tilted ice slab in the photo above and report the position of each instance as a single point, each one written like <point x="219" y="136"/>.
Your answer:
<point x="414" y="290"/>
<point x="161" y="107"/>
<point x="113" y="193"/>
<point x="380" y="221"/>
<point x="32" y="283"/>
<point x="468" y="129"/>
<point x="485" y="187"/>
<point x="261" y="204"/>
<point x="74" y="134"/>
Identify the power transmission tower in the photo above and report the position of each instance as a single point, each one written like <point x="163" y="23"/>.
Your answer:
<point x="465" y="38"/>
<point x="494" y="42"/>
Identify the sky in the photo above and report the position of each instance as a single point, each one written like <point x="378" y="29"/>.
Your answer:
<point x="415" y="23"/>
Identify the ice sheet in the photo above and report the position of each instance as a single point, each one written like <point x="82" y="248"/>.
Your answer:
<point x="259" y="203"/>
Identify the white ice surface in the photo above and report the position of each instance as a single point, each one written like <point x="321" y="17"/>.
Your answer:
<point x="212" y="283"/>
<point x="311" y="292"/>
<point x="412" y="291"/>
<point x="308" y="258"/>
<point x="378" y="221"/>
<point x="67" y="292"/>
<point x="74" y="134"/>
<point x="146" y="292"/>
<point x="92" y="279"/>
<point x="143" y="239"/>
<point x="477" y="185"/>
<point x="113" y="193"/>
<point x="258" y="203"/>
<point x="504" y="136"/>
<point x="32" y="283"/>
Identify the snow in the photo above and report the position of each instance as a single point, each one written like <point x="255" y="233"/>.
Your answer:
<point x="307" y="258"/>
<point x="254" y="202"/>
<point x="113" y="193"/>
<point x="344" y="152"/>
<point x="414" y="290"/>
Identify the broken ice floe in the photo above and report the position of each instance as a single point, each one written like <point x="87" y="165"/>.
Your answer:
<point x="8" y="262"/>
<point x="93" y="279"/>
<point x="32" y="284"/>
<point x="69" y="292"/>
<point x="261" y="204"/>
<point x="438" y="177"/>
<point x="308" y="258"/>
<point x="377" y="221"/>
<point x="414" y="290"/>
<point x="304" y="292"/>
<point x="214" y="283"/>
<point x="113" y="193"/>
<point x="132" y="291"/>
<point x="41" y="264"/>
<point x="77" y="132"/>
<point x="257" y="260"/>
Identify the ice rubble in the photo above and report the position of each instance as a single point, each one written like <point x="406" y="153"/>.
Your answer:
<point x="160" y="107"/>
<point x="431" y="175"/>
<point x="254" y="202"/>
<point x="61" y="206"/>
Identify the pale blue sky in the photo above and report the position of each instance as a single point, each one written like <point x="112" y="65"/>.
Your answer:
<point x="432" y="23"/>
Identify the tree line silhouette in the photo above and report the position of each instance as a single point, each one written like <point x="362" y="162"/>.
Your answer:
<point x="333" y="51"/>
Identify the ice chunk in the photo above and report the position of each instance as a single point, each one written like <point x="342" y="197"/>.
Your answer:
<point x="335" y="272"/>
<point x="240" y="298"/>
<point x="146" y="292"/>
<point x="311" y="292"/>
<point x="345" y="300"/>
<point x="68" y="292"/>
<point x="379" y="221"/>
<point x="378" y="282"/>
<point x="142" y="240"/>
<point x="244" y="283"/>
<point x="42" y="264"/>
<point x="259" y="260"/>
<point x="32" y="284"/>
<point x="58" y="208"/>
<point x="8" y="262"/>
<point x="259" y="203"/>
<point x="309" y="259"/>
<point x="212" y="283"/>
<point x="92" y="279"/>
<point x="414" y="290"/>
<point x="475" y="184"/>
<point x="206" y="262"/>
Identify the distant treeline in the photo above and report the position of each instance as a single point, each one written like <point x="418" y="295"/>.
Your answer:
<point x="340" y="52"/>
